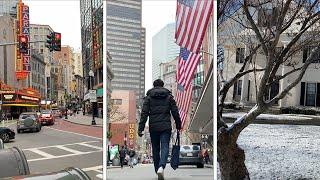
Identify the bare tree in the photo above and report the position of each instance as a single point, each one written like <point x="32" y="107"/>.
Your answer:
<point x="274" y="34"/>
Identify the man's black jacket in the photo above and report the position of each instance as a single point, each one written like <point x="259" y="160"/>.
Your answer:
<point x="157" y="106"/>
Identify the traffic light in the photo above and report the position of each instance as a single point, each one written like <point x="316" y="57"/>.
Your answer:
<point x="57" y="41"/>
<point x="49" y="43"/>
<point x="23" y="44"/>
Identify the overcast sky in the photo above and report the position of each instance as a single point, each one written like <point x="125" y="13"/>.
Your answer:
<point x="156" y="14"/>
<point x="64" y="17"/>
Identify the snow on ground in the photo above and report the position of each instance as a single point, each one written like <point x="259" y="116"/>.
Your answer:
<point x="269" y="116"/>
<point x="281" y="151"/>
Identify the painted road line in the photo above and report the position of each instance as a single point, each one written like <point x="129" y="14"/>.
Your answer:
<point x="91" y="146"/>
<point x="74" y="133"/>
<point x="69" y="150"/>
<point x="92" y="168"/>
<point x="100" y="176"/>
<point x="98" y="171"/>
<point x="43" y="147"/>
<point x="44" y="154"/>
<point x="62" y="156"/>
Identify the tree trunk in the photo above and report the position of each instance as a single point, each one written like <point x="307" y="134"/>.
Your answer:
<point x="231" y="157"/>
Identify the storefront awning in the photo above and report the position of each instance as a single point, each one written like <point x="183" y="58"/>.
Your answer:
<point x="202" y="121"/>
<point x="21" y="105"/>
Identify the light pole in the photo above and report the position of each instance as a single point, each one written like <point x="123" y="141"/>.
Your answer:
<point x="91" y="74"/>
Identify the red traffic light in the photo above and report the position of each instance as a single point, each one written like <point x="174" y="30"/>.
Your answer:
<point x="58" y="35"/>
<point x="23" y="39"/>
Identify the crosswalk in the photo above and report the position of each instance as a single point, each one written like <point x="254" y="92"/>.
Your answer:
<point x="62" y="151"/>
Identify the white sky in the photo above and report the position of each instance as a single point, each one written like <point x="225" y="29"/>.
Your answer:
<point x="156" y="14"/>
<point x="62" y="16"/>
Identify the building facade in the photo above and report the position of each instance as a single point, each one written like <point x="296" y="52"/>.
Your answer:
<point x="123" y="119"/>
<point x="7" y="68"/>
<point x="164" y="48"/>
<point x="168" y="73"/>
<point x="9" y="7"/>
<point x="39" y="32"/>
<point x="126" y="44"/>
<point x="37" y="78"/>
<point x="91" y="12"/>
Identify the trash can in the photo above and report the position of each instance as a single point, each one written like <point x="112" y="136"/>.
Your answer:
<point x="67" y="174"/>
<point x="13" y="162"/>
<point x="116" y="162"/>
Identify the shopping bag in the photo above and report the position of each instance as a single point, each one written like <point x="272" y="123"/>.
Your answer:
<point x="175" y="153"/>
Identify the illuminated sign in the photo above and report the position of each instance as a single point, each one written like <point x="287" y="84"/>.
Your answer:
<point x="8" y="96"/>
<point x="131" y="133"/>
<point x="29" y="98"/>
<point x="26" y="32"/>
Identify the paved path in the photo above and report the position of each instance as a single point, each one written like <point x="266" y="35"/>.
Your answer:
<point x="60" y="146"/>
<point x="146" y="172"/>
<point x="84" y="120"/>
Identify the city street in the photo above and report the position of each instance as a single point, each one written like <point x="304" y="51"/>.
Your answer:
<point x="146" y="172"/>
<point x="60" y="146"/>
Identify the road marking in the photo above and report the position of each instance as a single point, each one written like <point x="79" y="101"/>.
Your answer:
<point x="91" y="146"/>
<point x="42" y="147"/>
<point x="74" y="133"/>
<point x="44" y="154"/>
<point x="62" y="156"/>
<point x="93" y="168"/>
<point x="69" y="150"/>
<point x="98" y="171"/>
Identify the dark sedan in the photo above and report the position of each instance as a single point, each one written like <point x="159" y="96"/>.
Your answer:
<point x="191" y="155"/>
<point x="6" y="134"/>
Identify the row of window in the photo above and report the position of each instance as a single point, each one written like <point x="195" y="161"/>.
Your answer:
<point x="126" y="70"/>
<point x="119" y="38"/>
<point x="135" y="65"/>
<point x="134" y="50"/>
<point x="125" y="54"/>
<point x="125" y="85"/>
<point x="137" y="45"/>
<point x="132" y="35"/>
<point x="306" y="52"/>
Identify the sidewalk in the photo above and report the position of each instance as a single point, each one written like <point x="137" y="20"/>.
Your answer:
<point x="83" y="120"/>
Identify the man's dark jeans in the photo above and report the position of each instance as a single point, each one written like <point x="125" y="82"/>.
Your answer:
<point x="160" y="148"/>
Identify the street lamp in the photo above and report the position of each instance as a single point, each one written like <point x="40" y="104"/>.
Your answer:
<point x="91" y="74"/>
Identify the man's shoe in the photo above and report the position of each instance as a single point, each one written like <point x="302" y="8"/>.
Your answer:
<point x="160" y="173"/>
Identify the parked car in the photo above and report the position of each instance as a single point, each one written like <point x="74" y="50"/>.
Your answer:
<point x="28" y="121"/>
<point x="191" y="155"/>
<point x="47" y="117"/>
<point x="6" y="134"/>
<point x="56" y="113"/>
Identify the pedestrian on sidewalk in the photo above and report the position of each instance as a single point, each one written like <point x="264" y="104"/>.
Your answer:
<point x="122" y="155"/>
<point x="131" y="153"/>
<point x="157" y="106"/>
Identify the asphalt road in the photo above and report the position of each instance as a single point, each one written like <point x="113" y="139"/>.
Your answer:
<point x="146" y="172"/>
<point x="60" y="146"/>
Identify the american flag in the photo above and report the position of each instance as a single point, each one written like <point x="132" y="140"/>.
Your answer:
<point x="187" y="64"/>
<point x="192" y="19"/>
<point x="183" y="99"/>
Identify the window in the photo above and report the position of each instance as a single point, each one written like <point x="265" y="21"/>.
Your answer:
<point x="310" y="94"/>
<point x="268" y="17"/>
<point x="307" y="52"/>
<point x="240" y="55"/>
<point x="117" y="101"/>
<point x="237" y="88"/>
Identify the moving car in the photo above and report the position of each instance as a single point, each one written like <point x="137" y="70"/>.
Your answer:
<point x="28" y="121"/>
<point x="6" y="134"/>
<point x="57" y="113"/>
<point x="47" y="117"/>
<point x="191" y="155"/>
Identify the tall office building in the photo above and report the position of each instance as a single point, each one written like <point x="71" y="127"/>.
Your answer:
<point x="164" y="48"/>
<point x="126" y="44"/>
<point x="91" y="12"/>
<point x="8" y="7"/>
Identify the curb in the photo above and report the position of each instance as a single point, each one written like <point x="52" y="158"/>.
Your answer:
<point x="101" y="126"/>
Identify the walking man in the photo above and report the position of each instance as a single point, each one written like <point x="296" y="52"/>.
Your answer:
<point x="157" y="106"/>
<point x="132" y="153"/>
<point x="122" y="154"/>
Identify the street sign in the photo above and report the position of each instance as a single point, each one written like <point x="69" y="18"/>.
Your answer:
<point x="93" y="95"/>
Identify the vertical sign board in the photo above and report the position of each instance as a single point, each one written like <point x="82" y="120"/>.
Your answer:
<point x="18" y="54"/>
<point x="26" y="32"/>
<point x="131" y="134"/>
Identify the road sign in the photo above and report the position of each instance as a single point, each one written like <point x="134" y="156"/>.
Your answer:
<point x="93" y="95"/>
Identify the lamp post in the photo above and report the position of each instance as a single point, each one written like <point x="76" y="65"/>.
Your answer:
<point x="91" y="74"/>
<point x="65" y="101"/>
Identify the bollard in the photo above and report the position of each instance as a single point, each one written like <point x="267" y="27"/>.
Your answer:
<point x="13" y="162"/>
<point x="1" y="144"/>
<point x="67" y="174"/>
